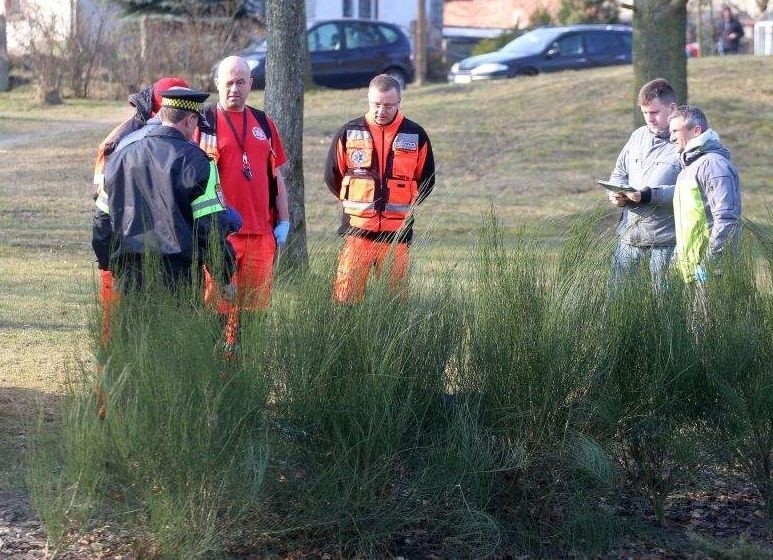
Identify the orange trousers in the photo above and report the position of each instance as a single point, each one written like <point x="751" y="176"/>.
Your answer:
<point x="253" y="279"/>
<point x="108" y="298"/>
<point x="355" y="261"/>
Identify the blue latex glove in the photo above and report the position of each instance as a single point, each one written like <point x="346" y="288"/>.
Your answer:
<point x="701" y="274"/>
<point x="280" y="232"/>
<point x="230" y="220"/>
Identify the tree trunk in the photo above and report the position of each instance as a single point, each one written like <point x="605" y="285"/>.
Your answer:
<point x="4" y="66"/>
<point x="420" y="56"/>
<point x="659" y="28"/>
<point x="285" y="68"/>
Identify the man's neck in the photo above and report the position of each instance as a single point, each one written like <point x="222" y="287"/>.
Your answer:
<point x="179" y="127"/>
<point x="232" y="109"/>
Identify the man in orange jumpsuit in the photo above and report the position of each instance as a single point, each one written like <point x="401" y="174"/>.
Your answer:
<point x="380" y="167"/>
<point x="248" y="150"/>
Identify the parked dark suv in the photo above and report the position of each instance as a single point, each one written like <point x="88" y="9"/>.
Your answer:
<point x="548" y="49"/>
<point x="347" y="53"/>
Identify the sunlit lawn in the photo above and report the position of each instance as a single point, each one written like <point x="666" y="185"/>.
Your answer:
<point x="531" y="148"/>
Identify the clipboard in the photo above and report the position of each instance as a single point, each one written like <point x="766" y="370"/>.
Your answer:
<point x="614" y="187"/>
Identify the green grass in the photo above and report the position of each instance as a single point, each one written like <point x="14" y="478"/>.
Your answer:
<point x="529" y="429"/>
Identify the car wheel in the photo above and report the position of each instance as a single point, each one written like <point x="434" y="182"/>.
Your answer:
<point x="398" y="75"/>
<point x="527" y="72"/>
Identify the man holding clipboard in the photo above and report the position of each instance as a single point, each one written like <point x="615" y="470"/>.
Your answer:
<point x="642" y="184"/>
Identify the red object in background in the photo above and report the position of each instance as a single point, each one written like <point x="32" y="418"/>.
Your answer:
<point x="692" y="50"/>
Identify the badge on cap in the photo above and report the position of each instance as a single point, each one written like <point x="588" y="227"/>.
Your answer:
<point x="183" y="98"/>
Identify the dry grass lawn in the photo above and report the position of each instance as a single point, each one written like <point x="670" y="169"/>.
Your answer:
<point x="530" y="147"/>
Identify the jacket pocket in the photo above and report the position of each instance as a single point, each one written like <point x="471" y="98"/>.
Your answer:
<point x="401" y="194"/>
<point x="404" y="164"/>
<point x="358" y="196"/>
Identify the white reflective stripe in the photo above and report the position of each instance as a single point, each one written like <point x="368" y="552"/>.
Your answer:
<point x="398" y="207"/>
<point x="348" y="204"/>
<point x="99" y="179"/>
<point x="102" y="199"/>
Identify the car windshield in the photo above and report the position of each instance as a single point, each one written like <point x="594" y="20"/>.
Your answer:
<point x="532" y="42"/>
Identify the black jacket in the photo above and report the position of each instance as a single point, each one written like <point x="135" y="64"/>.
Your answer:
<point x="151" y="185"/>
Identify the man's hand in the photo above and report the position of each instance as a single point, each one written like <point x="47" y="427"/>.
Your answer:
<point x="623" y="198"/>
<point x="280" y="232"/>
<point x="618" y="199"/>
<point x="701" y="274"/>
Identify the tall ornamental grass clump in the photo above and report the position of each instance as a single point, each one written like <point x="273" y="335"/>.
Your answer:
<point x="736" y="340"/>
<point x="180" y="453"/>
<point x="532" y="352"/>
<point x="498" y="414"/>
<point x="358" y="403"/>
<point x="651" y="389"/>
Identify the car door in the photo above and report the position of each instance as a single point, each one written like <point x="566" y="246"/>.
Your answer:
<point x="604" y="48"/>
<point x="363" y="56"/>
<point x="326" y="53"/>
<point x="566" y="52"/>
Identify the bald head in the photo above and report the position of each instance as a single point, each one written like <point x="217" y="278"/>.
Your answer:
<point x="233" y="83"/>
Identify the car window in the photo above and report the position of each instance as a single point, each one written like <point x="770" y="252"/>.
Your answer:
<point x="390" y="35"/>
<point x="326" y="37"/>
<point x="570" y="45"/>
<point x="362" y="35"/>
<point x="602" y="42"/>
<point x="532" y="42"/>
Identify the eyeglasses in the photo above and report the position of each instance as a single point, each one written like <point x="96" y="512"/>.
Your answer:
<point x="385" y="106"/>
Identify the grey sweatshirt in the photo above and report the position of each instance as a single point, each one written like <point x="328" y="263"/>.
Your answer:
<point x="648" y="163"/>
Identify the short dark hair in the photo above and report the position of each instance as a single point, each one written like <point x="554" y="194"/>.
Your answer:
<point x="692" y="117"/>
<point x="385" y="82"/>
<point x="173" y="114"/>
<point x="656" y="89"/>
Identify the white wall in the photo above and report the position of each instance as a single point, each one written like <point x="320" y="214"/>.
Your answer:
<point x="399" y="12"/>
<point x="47" y="12"/>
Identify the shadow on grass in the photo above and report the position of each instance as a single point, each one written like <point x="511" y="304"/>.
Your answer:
<point x="20" y="409"/>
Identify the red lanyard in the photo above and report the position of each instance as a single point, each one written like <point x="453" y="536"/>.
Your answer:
<point x="241" y="142"/>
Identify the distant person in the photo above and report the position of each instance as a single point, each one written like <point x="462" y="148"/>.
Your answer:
<point x="146" y="103"/>
<point x="379" y="166"/>
<point x="707" y="199"/>
<point x="161" y="201"/>
<point x="648" y="163"/>
<point x="246" y="145"/>
<point x="730" y="33"/>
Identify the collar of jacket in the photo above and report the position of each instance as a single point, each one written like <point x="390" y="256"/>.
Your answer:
<point x="167" y="131"/>
<point x="706" y="141"/>
<point x="391" y="127"/>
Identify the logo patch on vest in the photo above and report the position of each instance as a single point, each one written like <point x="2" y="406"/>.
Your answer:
<point x="258" y="133"/>
<point x="405" y="141"/>
<point x="358" y="157"/>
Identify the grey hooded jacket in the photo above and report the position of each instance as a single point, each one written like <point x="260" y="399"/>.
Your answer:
<point x="650" y="164"/>
<point x="707" y="202"/>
